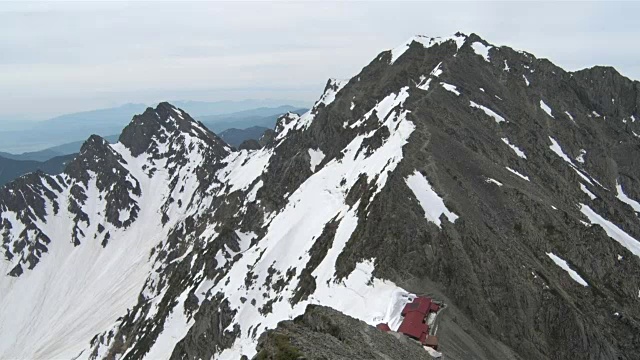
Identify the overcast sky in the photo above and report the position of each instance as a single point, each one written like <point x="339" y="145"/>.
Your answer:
<point x="65" y="57"/>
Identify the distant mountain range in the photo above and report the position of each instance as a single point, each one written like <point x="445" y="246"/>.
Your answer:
<point x="11" y="169"/>
<point x="76" y="127"/>
<point x="235" y="128"/>
<point x="263" y="117"/>
<point x="48" y="153"/>
<point x="67" y="128"/>
<point x="235" y="137"/>
<point x="199" y="109"/>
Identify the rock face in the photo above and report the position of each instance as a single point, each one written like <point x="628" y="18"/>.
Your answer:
<point x="476" y="174"/>
<point x="324" y="333"/>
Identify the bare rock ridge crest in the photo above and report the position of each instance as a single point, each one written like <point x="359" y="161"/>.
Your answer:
<point x="476" y="174"/>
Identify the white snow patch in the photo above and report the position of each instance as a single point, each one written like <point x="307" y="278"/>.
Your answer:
<point x="493" y="181"/>
<point x="487" y="111"/>
<point x="563" y="264"/>
<point x="625" y="199"/>
<point x="526" y="81"/>
<point x="437" y="71"/>
<point x="450" y="88"/>
<point x="303" y="122"/>
<point x="595" y="114"/>
<point x="291" y="122"/>
<point x="517" y="173"/>
<point x="333" y="88"/>
<point x="175" y="328"/>
<point x="316" y="158"/>
<point x="515" y="149"/>
<point x="481" y="49"/>
<point x="612" y="230"/>
<point x="555" y="147"/>
<point x="385" y="107"/>
<point x="586" y="191"/>
<point x="580" y="157"/>
<point x="569" y="115"/>
<point x="506" y="66"/>
<point x="251" y="196"/>
<point x="424" y="83"/>
<point x="481" y="89"/>
<point x="243" y="167"/>
<point x="426" y="42"/>
<point x="546" y="108"/>
<point x="432" y="352"/>
<point x="123" y="215"/>
<point x="431" y="203"/>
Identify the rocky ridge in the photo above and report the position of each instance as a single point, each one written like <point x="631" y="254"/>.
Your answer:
<point x="478" y="174"/>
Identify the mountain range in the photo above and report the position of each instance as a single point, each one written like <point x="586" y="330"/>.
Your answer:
<point x="10" y="169"/>
<point x="33" y="136"/>
<point x="53" y="159"/>
<point x="493" y="181"/>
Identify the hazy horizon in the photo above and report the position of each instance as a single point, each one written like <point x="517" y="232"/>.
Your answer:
<point x="268" y="103"/>
<point x="149" y="52"/>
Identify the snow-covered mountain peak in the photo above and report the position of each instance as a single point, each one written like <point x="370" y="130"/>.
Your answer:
<point x="457" y="39"/>
<point x="154" y="130"/>
<point x="431" y="175"/>
<point x="285" y="120"/>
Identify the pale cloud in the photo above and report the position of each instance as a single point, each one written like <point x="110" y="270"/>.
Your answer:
<point x="62" y="57"/>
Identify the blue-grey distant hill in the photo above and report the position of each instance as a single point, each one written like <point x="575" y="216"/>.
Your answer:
<point x="199" y="109"/>
<point x="48" y="153"/>
<point x="262" y="117"/>
<point x="11" y="169"/>
<point x="235" y="137"/>
<point x="68" y="128"/>
<point x="37" y="135"/>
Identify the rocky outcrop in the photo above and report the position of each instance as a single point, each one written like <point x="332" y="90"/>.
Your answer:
<point x="324" y="333"/>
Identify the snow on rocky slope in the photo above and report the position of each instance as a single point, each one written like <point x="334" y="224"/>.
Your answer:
<point x="169" y="244"/>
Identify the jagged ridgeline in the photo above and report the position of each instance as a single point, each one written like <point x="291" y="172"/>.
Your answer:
<point x="481" y="176"/>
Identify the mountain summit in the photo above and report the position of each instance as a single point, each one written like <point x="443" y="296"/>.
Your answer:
<point x="497" y="183"/>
